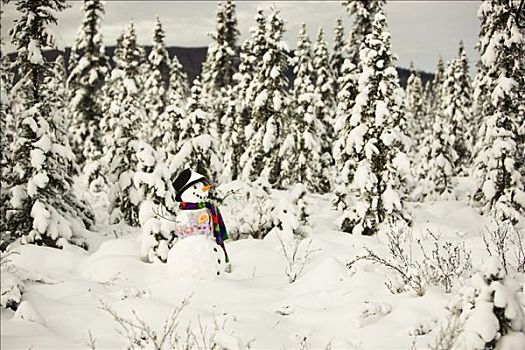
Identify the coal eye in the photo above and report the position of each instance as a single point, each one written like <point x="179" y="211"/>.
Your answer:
<point x="195" y="187"/>
<point x="284" y="211"/>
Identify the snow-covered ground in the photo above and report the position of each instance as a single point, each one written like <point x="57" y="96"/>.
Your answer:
<point x="254" y="305"/>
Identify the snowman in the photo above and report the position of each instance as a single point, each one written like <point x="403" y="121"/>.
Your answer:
<point x="200" y="250"/>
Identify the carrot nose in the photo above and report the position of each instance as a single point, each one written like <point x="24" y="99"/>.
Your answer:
<point x="206" y="188"/>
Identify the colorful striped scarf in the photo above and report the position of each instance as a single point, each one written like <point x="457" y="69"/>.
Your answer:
<point x="219" y="229"/>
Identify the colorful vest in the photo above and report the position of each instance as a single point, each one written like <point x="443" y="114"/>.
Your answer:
<point x="194" y="222"/>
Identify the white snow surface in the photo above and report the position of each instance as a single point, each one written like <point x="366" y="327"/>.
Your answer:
<point x="351" y="308"/>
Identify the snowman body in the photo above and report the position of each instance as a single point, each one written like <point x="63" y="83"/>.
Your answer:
<point x="196" y="254"/>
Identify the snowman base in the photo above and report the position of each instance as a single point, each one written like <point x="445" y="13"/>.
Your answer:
<point x="196" y="256"/>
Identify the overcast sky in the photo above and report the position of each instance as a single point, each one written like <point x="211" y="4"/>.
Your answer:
<point x="421" y="30"/>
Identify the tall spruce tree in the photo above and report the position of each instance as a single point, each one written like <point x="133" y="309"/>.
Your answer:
<point x="338" y="53"/>
<point x="178" y="84"/>
<point x="442" y="157"/>
<point x="197" y="146"/>
<point x="302" y="147"/>
<point x="418" y="128"/>
<point x="60" y="93"/>
<point x="324" y="87"/>
<point x="416" y="108"/>
<point x="344" y="157"/>
<point x="220" y="64"/>
<point x="500" y="94"/>
<point x="269" y="93"/>
<point x="437" y="83"/>
<point x="7" y="135"/>
<point x="232" y="140"/>
<point x="239" y="108"/>
<point x="376" y="139"/>
<point x="123" y="114"/>
<point x="219" y="67"/>
<point x="155" y="88"/>
<point x="456" y="108"/>
<point x="165" y="134"/>
<point x="117" y="54"/>
<point x="7" y="131"/>
<point x="423" y="144"/>
<point x="43" y="208"/>
<point x="88" y="68"/>
<point x="364" y="13"/>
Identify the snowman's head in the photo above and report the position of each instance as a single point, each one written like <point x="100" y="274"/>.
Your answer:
<point x="198" y="192"/>
<point x="191" y="186"/>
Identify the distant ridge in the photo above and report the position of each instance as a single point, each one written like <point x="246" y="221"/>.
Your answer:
<point x="192" y="58"/>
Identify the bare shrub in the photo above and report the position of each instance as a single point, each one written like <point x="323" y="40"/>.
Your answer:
<point x="442" y="265"/>
<point x="502" y="240"/>
<point x="452" y="261"/>
<point x="140" y="335"/>
<point x="91" y="341"/>
<point x="447" y="334"/>
<point x="296" y="257"/>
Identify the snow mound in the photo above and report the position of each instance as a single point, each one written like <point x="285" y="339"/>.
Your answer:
<point x="327" y="274"/>
<point x="26" y="311"/>
<point x="118" y="247"/>
<point x="195" y="257"/>
<point x="109" y="269"/>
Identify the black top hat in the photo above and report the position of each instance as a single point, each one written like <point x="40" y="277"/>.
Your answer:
<point x="184" y="180"/>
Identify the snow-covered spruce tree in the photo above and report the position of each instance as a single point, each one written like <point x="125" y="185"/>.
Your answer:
<point x="363" y="12"/>
<point x="418" y="129"/>
<point x="456" y="106"/>
<point x="502" y="82"/>
<point x="196" y="145"/>
<point x="232" y="140"/>
<point x="376" y="139"/>
<point x="178" y="84"/>
<point x="422" y="145"/>
<point x="220" y="65"/>
<point x="165" y="134"/>
<point x="435" y="98"/>
<point x="338" y="53"/>
<point x="269" y="91"/>
<point x="117" y="53"/>
<point x="59" y="69"/>
<point x="344" y="156"/>
<point x="155" y="88"/>
<point x="442" y="156"/>
<point x="7" y="128"/>
<point x="57" y="95"/>
<point x="122" y="116"/>
<point x="239" y="108"/>
<point x="302" y="147"/>
<point x="324" y="87"/>
<point x="153" y="180"/>
<point x="43" y="209"/>
<point x="88" y="68"/>
<point x="415" y="107"/>
<point x="490" y="311"/>
<point x="7" y="135"/>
